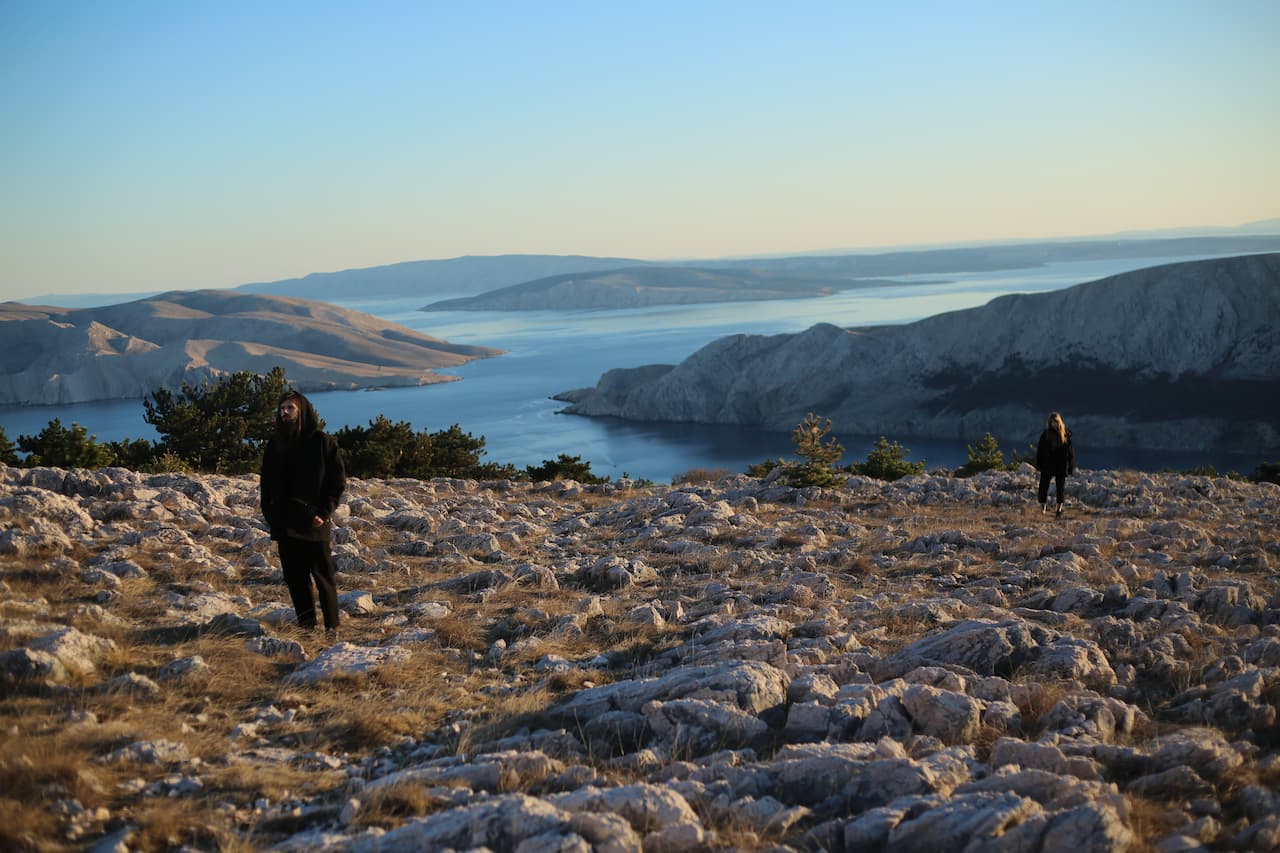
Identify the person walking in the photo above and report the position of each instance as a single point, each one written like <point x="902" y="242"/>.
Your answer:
<point x="302" y="480"/>
<point x="1055" y="459"/>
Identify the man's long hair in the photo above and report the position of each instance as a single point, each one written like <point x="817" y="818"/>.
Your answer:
<point x="305" y="422"/>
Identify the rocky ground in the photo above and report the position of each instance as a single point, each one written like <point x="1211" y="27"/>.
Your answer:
<point x="930" y="664"/>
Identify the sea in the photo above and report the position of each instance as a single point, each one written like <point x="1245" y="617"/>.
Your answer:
<point x="507" y="399"/>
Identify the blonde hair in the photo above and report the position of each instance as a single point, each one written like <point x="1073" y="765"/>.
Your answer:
<point x="1057" y="425"/>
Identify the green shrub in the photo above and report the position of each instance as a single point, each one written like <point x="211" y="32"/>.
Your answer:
<point x="387" y="448"/>
<point x="59" y="447"/>
<point x="697" y="475"/>
<point x="765" y="468"/>
<point x="887" y="461"/>
<point x="984" y="456"/>
<point x="8" y="453"/>
<point x="1267" y="472"/>
<point x="564" y="467"/>
<point x="138" y="454"/>
<point x="168" y="462"/>
<point x="820" y="452"/>
<point x="1028" y="456"/>
<point x="220" y="426"/>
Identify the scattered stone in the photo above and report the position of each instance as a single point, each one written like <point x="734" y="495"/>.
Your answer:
<point x="672" y="668"/>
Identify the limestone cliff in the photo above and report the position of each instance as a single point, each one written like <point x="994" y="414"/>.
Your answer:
<point x="57" y="355"/>
<point x="1181" y="356"/>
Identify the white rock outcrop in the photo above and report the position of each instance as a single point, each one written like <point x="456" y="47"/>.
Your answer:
<point x="1181" y="356"/>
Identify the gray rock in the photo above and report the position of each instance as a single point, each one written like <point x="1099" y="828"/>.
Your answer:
<point x="689" y="728"/>
<point x="78" y="652"/>
<point x="986" y="647"/>
<point x="754" y="687"/>
<point x="945" y="714"/>
<point x="346" y="659"/>
<point x="497" y="823"/>
<point x="964" y="822"/>
<point x="25" y="665"/>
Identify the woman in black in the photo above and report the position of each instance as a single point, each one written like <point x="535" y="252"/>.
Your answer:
<point x="1055" y="458"/>
<point x="302" y="482"/>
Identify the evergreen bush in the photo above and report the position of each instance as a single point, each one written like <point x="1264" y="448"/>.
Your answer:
<point x="887" y="461"/>
<point x="984" y="456"/>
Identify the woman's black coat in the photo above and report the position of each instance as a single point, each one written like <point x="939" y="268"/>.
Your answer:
<point x="1053" y="456"/>
<point x="302" y="479"/>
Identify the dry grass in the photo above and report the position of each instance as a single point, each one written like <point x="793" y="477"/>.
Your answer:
<point x="700" y="476"/>
<point x="389" y="806"/>
<point x="455" y="695"/>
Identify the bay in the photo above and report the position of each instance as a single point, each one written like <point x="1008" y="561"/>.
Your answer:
<point x="507" y="399"/>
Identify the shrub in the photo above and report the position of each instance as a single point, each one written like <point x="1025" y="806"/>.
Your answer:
<point x="820" y="452"/>
<point x="1028" y="456"/>
<point x="8" y="453"/>
<point x="564" y="467"/>
<point x="386" y="449"/>
<point x="220" y="426"/>
<point x="887" y="461"/>
<point x="1267" y="472"/>
<point x="167" y="462"/>
<point x="765" y="468"/>
<point x="698" y="475"/>
<point x="984" y="456"/>
<point x="59" y="447"/>
<point x="136" y="454"/>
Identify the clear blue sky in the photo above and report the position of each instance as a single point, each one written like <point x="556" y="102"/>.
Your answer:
<point x="155" y="145"/>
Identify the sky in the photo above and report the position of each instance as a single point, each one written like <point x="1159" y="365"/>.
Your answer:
<point x="159" y="145"/>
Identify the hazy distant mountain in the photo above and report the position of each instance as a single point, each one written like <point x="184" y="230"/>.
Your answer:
<point x="1005" y="257"/>
<point x="472" y="275"/>
<point x="425" y="279"/>
<point x="639" y="287"/>
<point x="58" y="355"/>
<point x="1180" y="356"/>
<point x="814" y="275"/>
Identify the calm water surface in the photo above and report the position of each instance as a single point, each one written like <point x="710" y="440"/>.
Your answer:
<point x="507" y="399"/>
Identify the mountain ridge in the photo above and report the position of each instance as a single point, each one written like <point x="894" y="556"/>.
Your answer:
<point x="802" y="276"/>
<point x="1194" y="342"/>
<point x="59" y="356"/>
<point x="471" y="275"/>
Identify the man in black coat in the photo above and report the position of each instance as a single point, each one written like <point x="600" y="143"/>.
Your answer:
<point x="302" y="481"/>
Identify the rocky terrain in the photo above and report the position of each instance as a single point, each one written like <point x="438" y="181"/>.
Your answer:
<point x="60" y="355"/>
<point x="929" y="664"/>
<point x="1183" y="356"/>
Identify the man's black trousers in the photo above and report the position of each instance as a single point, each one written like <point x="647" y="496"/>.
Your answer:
<point x="302" y="562"/>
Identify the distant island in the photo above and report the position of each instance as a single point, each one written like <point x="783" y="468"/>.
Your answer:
<point x="55" y="355"/>
<point x="642" y="286"/>
<point x="1181" y="356"/>
<point x="611" y="282"/>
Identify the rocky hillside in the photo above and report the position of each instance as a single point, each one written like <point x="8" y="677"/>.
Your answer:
<point x="1181" y="356"/>
<point x="59" y="355"/>
<point x="930" y="664"/>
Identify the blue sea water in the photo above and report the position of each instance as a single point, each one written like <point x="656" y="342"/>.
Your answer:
<point x="507" y="399"/>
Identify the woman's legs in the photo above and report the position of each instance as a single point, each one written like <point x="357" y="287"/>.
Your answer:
<point x="1044" y="487"/>
<point x="1059" y="481"/>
